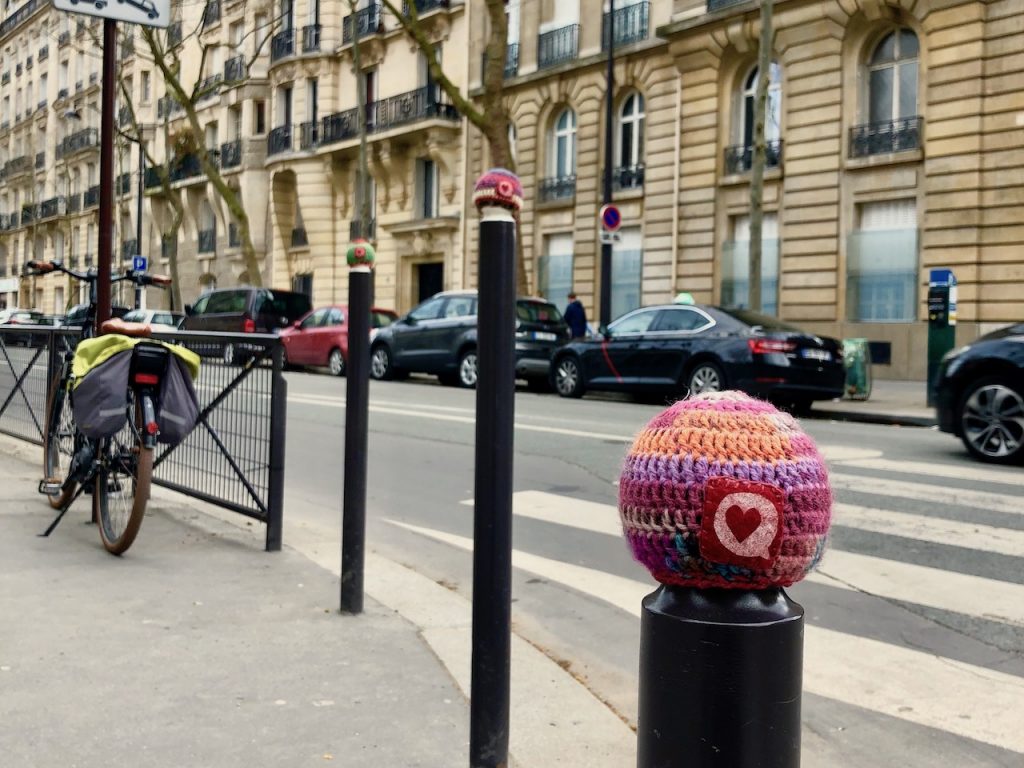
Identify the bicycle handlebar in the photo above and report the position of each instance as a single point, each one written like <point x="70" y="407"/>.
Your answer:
<point x="38" y="268"/>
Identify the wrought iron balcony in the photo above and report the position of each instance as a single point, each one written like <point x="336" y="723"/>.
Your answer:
<point x="718" y="5"/>
<point x="62" y="93"/>
<point x="129" y="248"/>
<point x="17" y="165"/>
<point x="234" y="239"/>
<point x="208" y="240"/>
<point x="282" y="44"/>
<point x="423" y="6"/>
<point x="885" y="137"/>
<point x="124" y="116"/>
<point x="357" y="230"/>
<point x="44" y="53"/>
<point x="64" y="38"/>
<point x="511" y="60"/>
<point x="311" y="38"/>
<point x="299" y="237"/>
<point x="174" y="35"/>
<point x="211" y="14"/>
<point x="628" y="177"/>
<point x="740" y="158"/>
<point x="309" y="134"/>
<point x="557" y="46"/>
<point x="5" y="78"/>
<point x="557" y="188"/>
<point x="123" y="185"/>
<point x="94" y="77"/>
<point x="631" y="25"/>
<point x="365" y="21"/>
<point x="339" y="126"/>
<point x="88" y="260"/>
<point x="27" y="214"/>
<point x="422" y="104"/>
<point x="186" y="167"/>
<point x="279" y="140"/>
<point x="87" y="138"/>
<point x="28" y="63"/>
<point x="51" y="208"/>
<point x="17" y="69"/>
<point x="209" y="87"/>
<point x="234" y="69"/>
<point x="168" y="106"/>
<point x="231" y="154"/>
<point x="40" y="160"/>
<point x="79" y="85"/>
<point x="74" y="203"/>
<point x="91" y="197"/>
<point x="19" y="16"/>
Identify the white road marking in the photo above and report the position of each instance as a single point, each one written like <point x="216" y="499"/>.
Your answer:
<point x="957" y="497"/>
<point x="969" y="470"/>
<point x="889" y="579"/>
<point x="922" y="688"/>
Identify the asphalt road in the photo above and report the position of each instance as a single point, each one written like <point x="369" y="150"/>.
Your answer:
<point x="915" y="622"/>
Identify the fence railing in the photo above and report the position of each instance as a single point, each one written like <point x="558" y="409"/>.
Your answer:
<point x="631" y="24"/>
<point x="279" y="140"/>
<point x="311" y="38"/>
<point x="557" y="46"/>
<point x="234" y="458"/>
<point x="231" y="154"/>
<point x="282" y="44"/>
<point x="365" y="21"/>
<point x="628" y="177"/>
<point x="740" y="158"/>
<point x="557" y="188"/>
<point x="207" y="240"/>
<point x="234" y="69"/>
<point x="885" y="137"/>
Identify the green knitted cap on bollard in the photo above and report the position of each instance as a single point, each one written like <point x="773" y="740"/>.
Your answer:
<point x="360" y="254"/>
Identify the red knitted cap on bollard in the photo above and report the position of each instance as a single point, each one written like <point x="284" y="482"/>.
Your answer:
<point x="724" y="490"/>
<point x="360" y="254"/>
<point x="499" y="187"/>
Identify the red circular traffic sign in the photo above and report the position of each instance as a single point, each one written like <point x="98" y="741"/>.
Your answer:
<point x="610" y="218"/>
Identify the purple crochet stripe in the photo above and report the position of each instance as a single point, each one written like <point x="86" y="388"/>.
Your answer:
<point x="690" y="471"/>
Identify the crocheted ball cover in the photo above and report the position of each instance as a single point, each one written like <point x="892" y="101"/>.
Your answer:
<point x="723" y="490"/>
<point x="360" y="254"/>
<point x="499" y="187"/>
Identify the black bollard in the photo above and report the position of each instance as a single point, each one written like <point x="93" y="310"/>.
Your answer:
<point x="357" y="396"/>
<point x="495" y="195"/>
<point x="720" y="679"/>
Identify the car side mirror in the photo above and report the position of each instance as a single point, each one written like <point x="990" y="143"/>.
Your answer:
<point x="408" y="320"/>
<point x="297" y="324"/>
<point x="188" y="309"/>
<point x="603" y="330"/>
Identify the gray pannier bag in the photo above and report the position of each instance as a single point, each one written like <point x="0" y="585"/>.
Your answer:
<point x="100" y="400"/>
<point x="179" y="406"/>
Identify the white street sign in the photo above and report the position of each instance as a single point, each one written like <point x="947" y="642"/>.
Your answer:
<point x="150" y="13"/>
<point x="610" y="237"/>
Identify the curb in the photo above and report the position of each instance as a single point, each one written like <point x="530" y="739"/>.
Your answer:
<point x="868" y="417"/>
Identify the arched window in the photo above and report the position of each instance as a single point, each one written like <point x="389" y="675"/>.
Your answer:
<point x="773" y="106"/>
<point x="207" y="229"/>
<point x="562" y="156"/>
<point x="892" y="78"/>
<point x="631" y="132"/>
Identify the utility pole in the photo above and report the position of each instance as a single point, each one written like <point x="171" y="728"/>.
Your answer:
<point x="759" y="156"/>
<point x="605" y="312"/>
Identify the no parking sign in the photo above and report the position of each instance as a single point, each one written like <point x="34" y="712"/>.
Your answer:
<point x="610" y="219"/>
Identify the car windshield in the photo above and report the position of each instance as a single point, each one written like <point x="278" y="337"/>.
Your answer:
<point x="767" y="322"/>
<point x="135" y="316"/>
<point x="537" y="312"/>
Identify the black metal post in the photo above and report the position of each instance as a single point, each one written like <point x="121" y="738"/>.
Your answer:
<point x="104" y="256"/>
<point x="357" y="397"/>
<point x="720" y="679"/>
<point x="278" y="419"/>
<point x="609" y="159"/>
<point x="492" y="508"/>
<point x="138" y="215"/>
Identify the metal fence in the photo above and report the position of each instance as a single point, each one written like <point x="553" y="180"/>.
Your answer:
<point x="234" y="458"/>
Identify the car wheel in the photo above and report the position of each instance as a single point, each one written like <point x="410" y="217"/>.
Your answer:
<point x="568" y="377"/>
<point x="380" y="364"/>
<point x="336" y="362"/>
<point x="992" y="420"/>
<point x="468" y="369"/>
<point x="228" y="354"/>
<point x="705" y="377"/>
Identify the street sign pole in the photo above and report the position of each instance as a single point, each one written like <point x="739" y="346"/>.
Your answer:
<point x="106" y="234"/>
<point x="605" y="311"/>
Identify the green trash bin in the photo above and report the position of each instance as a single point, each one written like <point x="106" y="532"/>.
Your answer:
<point x="857" y="359"/>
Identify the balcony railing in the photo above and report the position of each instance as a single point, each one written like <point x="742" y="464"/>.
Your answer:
<point x="311" y="38"/>
<point x="628" y="177"/>
<point x="40" y="160"/>
<point x="339" y="126"/>
<point x="282" y="44"/>
<point x="27" y="214"/>
<point x="422" y="6"/>
<point x="557" y="46"/>
<point x="557" y="188"/>
<point x="211" y="14"/>
<point x="740" y="158"/>
<point x="51" y="208"/>
<point x="44" y="52"/>
<point x="15" y="19"/>
<point x="5" y="78"/>
<point x="74" y="203"/>
<point x="91" y="197"/>
<point x="234" y="69"/>
<point x="64" y="38"/>
<point x="168" y="106"/>
<point x="279" y="140"/>
<point x="365" y="21"/>
<point x="186" y="167"/>
<point x="422" y="104"/>
<point x="124" y="116"/>
<point x="231" y="154"/>
<point x="209" y="86"/>
<point x="174" y="35"/>
<point x="62" y="93"/>
<point x="17" y="165"/>
<point x="309" y="135"/>
<point x="88" y="260"/>
<point x="129" y="248"/>
<point x="885" y="137"/>
<point x="356" y="230"/>
<point x="87" y="138"/>
<point x="234" y="239"/>
<point x="123" y="185"/>
<point x="511" y="61"/>
<point x="299" y="237"/>
<point x="631" y="25"/>
<point x="718" y="5"/>
<point x="208" y="240"/>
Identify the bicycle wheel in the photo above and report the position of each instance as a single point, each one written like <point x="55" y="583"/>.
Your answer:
<point x="122" y="485"/>
<point x="59" y="445"/>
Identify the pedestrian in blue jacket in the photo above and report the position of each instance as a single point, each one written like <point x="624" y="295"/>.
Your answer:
<point x="576" y="317"/>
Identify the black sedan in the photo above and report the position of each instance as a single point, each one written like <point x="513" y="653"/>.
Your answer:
<point x="979" y="393"/>
<point x="678" y="349"/>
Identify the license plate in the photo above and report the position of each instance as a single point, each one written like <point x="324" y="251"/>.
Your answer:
<point x="544" y="336"/>
<point x="816" y="354"/>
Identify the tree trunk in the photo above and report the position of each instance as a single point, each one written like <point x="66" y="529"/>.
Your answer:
<point x="759" y="157"/>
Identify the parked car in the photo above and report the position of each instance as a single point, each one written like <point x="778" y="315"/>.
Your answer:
<point x="439" y="337"/>
<point x="677" y="349"/>
<point x="162" y="320"/>
<point x="77" y="314"/>
<point x="244" y="310"/>
<point x="12" y="317"/>
<point x="321" y="337"/>
<point x="979" y="395"/>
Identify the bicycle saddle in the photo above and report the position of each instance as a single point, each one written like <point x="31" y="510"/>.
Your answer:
<point x="116" y="325"/>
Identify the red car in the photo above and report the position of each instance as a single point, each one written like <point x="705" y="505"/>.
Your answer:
<point x="321" y="337"/>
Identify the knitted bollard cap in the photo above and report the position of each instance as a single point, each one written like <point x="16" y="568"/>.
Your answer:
<point x="360" y="254"/>
<point x="499" y="187"/>
<point x="723" y="490"/>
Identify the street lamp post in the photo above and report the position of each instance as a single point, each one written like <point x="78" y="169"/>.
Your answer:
<point x="606" y="246"/>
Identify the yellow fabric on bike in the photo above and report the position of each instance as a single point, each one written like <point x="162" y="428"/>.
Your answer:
<point x="91" y="353"/>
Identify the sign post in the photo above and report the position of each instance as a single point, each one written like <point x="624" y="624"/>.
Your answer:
<point x="941" y="322"/>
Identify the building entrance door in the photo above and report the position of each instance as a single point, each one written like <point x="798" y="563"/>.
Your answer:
<point x="429" y="280"/>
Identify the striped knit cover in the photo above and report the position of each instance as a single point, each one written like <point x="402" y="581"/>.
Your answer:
<point x="723" y="490"/>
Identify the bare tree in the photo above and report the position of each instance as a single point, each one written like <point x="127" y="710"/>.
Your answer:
<point x="489" y="112"/>
<point x="759" y="158"/>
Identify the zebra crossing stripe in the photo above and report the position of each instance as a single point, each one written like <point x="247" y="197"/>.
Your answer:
<point x="899" y="682"/>
<point x="953" y="497"/>
<point x="969" y="470"/>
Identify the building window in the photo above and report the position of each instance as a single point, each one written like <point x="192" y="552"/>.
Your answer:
<point x="259" y="121"/>
<point x="207" y="229"/>
<point x="892" y="78"/>
<point x="428" y="183"/>
<point x="512" y="137"/>
<point x="630" y="150"/>
<point x="554" y="278"/>
<point x="562" y="155"/>
<point x="773" y="107"/>
<point x="147" y="86"/>
<point x="736" y="265"/>
<point x="882" y="263"/>
<point x="627" y="271"/>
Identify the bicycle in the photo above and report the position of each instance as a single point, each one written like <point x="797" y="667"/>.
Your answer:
<point x="117" y="469"/>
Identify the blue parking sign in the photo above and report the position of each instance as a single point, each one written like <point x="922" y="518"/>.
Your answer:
<point x="139" y="264"/>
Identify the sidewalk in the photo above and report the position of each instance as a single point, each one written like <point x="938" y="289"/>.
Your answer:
<point x="198" y="649"/>
<point x="891" y="402"/>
